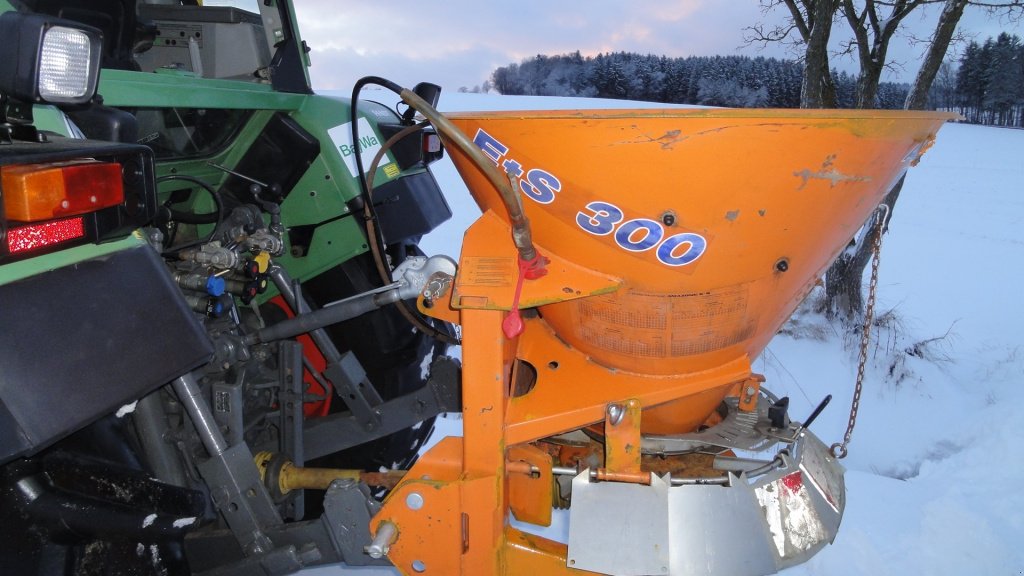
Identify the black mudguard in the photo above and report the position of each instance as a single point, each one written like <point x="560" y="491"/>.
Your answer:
<point x="80" y="341"/>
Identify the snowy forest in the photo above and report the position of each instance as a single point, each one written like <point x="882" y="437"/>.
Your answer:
<point x="986" y="84"/>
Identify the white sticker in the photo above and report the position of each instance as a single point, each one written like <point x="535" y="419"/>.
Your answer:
<point x="369" y="144"/>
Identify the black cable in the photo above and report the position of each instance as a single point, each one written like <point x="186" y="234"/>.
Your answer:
<point x="354" y="119"/>
<point x="191" y="217"/>
<point x="364" y="187"/>
<point x="375" y="236"/>
<point x="218" y="215"/>
<point x="407" y="310"/>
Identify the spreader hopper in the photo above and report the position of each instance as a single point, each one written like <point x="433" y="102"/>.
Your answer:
<point x="718" y="222"/>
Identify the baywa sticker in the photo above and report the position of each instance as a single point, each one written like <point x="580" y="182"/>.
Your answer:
<point x="368" y="146"/>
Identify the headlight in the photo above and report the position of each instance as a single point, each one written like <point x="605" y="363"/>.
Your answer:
<point x="47" y="59"/>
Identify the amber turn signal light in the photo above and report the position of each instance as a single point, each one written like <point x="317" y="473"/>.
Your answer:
<point x="37" y="192"/>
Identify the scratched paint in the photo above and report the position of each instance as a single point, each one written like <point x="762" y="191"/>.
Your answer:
<point x="827" y="172"/>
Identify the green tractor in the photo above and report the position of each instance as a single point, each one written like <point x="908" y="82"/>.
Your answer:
<point x="206" y="275"/>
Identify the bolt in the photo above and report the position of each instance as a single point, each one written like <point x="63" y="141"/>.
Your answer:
<point x="414" y="501"/>
<point x="382" y="540"/>
<point x="668" y="219"/>
<point x="750" y="391"/>
<point x="782" y="265"/>
<point x="615" y="413"/>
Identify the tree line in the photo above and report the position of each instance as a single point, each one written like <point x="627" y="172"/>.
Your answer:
<point x="989" y="86"/>
<point x="986" y="85"/>
<point x="736" y="81"/>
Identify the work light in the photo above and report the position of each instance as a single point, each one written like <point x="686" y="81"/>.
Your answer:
<point x="47" y="59"/>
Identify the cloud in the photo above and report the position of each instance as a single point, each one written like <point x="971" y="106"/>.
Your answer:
<point x="460" y="42"/>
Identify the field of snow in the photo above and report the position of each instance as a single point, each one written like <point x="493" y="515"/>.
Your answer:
<point x="937" y="459"/>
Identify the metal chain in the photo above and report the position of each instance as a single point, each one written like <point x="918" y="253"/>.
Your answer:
<point x="839" y="449"/>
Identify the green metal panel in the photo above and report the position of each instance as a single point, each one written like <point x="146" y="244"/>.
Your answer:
<point x="316" y="197"/>
<point x="319" y="114"/>
<point x="290" y="7"/>
<point x="319" y="198"/>
<point x="122" y="88"/>
<point x="50" y="119"/>
<point x="321" y="195"/>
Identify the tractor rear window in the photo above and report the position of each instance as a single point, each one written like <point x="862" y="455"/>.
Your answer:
<point x="188" y="132"/>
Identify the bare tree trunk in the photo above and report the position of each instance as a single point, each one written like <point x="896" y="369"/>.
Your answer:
<point x="843" y="298"/>
<point x="817" y="89"/>
<point x="948" y="20"/>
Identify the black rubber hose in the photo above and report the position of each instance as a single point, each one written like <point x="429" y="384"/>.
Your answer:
<point x="354" y="118"/>
<point x="373" y="233"/>
<point x="407" y="311"/>
<point x="189" y="218"/>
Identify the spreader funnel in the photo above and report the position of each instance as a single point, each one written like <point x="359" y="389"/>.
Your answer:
<point x="718" y="221"/>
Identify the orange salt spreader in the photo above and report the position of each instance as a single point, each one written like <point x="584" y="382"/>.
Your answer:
<point x="628" y="267"/>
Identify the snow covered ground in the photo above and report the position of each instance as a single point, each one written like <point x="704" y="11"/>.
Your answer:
<point x="937" y="460"/>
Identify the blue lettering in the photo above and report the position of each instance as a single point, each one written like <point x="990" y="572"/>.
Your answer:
<point x="639" y="235"/>
<point x="597" y="218"/>
<point x="490" y="146"/>
<point x="695" y="245"/>
<point x="601" y="219"/>
<point x="540" y="186"/>
<point x="513" y="168"/>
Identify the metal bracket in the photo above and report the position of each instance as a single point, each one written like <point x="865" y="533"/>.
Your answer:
<point x="622" y="444"/>
<point x="530" y="491"/>
<point x="231" y="474"/>
<point x="240" y="496"/>
<point x="738" y="430"/>
<point x="356" y="390"/>
<point x="749" y="392"/>
<point x="292" y="389"/>
<point x="228" y="400"/>
<point x="331" y="434"/>
<point x="348" y="508"/>
<point x="338" y="535"/>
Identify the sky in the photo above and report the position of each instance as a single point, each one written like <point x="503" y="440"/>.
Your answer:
<point x="458" y="43"/>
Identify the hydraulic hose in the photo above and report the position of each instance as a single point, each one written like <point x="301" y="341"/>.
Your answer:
<point x="373" y="235"/>
<point x="521" y="235"/>
<point x="371" y="229"/>
<point x="216" y="217"/>
<point x="505" y="186"/>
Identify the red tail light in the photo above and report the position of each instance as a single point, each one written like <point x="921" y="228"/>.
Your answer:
<point x="36" y="236"/>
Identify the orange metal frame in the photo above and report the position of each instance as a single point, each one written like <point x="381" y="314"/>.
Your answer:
<point x="452" y="508"/>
